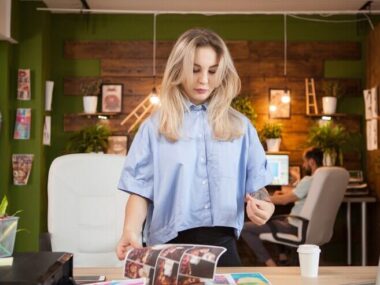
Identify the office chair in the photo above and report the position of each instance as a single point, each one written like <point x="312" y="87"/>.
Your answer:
<point x="85" y="209"/>
<point x="317" y="218"/>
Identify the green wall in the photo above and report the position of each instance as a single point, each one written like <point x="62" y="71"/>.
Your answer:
<point x="30" y="52"/>
<point x="41" y="39"/>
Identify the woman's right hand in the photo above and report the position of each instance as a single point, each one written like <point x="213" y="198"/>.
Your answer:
<point x="128" y="240"/>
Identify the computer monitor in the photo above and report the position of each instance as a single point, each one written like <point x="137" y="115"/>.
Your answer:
<point x="278" y="165"/>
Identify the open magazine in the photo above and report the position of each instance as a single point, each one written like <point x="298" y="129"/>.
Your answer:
<point x="173" y="263"/>
<point x="179" y="264"/>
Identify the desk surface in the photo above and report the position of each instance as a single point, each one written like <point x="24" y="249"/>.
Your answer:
<point x="348" y="275"/>
<point x="359" y="199"/>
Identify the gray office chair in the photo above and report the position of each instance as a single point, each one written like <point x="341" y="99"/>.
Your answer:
<point x="85" y="209"/>
<point x="317" y="218"/>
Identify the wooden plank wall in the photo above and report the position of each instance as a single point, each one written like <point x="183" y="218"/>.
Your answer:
<point x="373" y="157"/>
<point x="260" y="66"/>
<point x="373" y="79"/>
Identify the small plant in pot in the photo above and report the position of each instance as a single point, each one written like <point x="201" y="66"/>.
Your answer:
<point x="332" y="90"/>
<point x="271" y="133"/>
<point x="243" y="104"/>
<point x="90" y="91"/>
<point x="331" y="138"/>
<point x="89" y="139"/>
<point x="8" y="229"/>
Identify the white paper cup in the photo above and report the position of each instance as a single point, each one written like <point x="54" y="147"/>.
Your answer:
<point x="309" y="259"/>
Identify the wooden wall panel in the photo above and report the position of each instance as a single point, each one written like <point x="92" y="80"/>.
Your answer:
<point x="260" y="65"/>
<point x="131" y="67"/>
<point x="115" y="49"/>
<point x="275" y="68"/>
<point x="373" y="79"/>
<point x="373" y="157"/>
<point x="132" y="85"/>
<point x="305" y="50"/>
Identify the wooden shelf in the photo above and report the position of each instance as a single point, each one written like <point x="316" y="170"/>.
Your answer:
<point x="334" y="115"/>
<point x="278" y="152"/>
<point x="89" y="115"/>
<point x="376" y="118"/>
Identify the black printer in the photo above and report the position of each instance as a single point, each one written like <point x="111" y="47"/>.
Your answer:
<point x="39" y="268"/>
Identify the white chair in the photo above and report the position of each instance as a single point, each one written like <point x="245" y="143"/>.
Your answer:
<point x="85" y="209"/>
<point x="317" y="218"/>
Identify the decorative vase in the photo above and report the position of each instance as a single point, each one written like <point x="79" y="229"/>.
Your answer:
<point x="273" y="145"/>
<point x="329" y="158"/>
<point x="89" y="104"/>
<point x="8" y="229"/>
<point x="329" y="104"/>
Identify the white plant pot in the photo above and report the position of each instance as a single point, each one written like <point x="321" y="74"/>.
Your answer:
<point x="89" y="104"/>
<point x="8" y="229"/>
<point x="329" y="158"/>
<point x="329" y="105"/>
<point x="273" y="145"/>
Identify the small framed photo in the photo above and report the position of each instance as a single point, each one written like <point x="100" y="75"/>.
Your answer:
<point x="279" y="103"/>
<point x="112" y="95"/>
<point x="117" y="145"/>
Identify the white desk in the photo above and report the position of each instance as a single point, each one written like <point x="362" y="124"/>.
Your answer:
<point x="276" y="275"/>
<point x="363" y="200"/>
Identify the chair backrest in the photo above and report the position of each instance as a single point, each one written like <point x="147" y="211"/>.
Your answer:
<point x="322" y="203"/>
<point x="85" y="210"/>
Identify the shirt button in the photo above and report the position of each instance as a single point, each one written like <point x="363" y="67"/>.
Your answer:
<point x="202" y="159"/>
<point x="204" y="182"/>
<point x="207" y="206"/>
<point x="200" y="136"/>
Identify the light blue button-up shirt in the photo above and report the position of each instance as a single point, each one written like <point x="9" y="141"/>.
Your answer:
<point x="195" y="182"/>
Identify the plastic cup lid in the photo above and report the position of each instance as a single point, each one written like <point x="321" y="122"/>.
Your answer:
<point x="308" y="248"/>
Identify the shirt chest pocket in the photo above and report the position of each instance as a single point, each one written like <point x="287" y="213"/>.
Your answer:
<point x="227" y="159"/>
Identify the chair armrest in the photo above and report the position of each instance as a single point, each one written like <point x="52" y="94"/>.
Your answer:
<point x="274" y="231"/>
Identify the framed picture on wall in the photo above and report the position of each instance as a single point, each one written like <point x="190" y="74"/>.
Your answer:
<point x="117" y="145"/>
<point x="112" y="96"/>
<point x="279" y="103"/>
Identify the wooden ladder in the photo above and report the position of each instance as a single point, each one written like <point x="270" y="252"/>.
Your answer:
<point x="311" y="100"/>
<point x="138" y="113"/>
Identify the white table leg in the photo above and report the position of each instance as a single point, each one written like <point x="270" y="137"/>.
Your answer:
<point x="348" y="212"/>
<point x="364" y="234"/>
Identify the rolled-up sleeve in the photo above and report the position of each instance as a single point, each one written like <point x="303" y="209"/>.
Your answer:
<point x="258" y="173"/>
<point x="137" y="173"/>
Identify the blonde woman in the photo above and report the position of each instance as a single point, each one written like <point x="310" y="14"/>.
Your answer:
<point x="195" y="161"/>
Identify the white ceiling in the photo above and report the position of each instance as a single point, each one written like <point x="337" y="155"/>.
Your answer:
<point x="216" y="6"/>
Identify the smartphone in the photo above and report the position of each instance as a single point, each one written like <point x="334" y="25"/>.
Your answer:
<point x="89" y="279"/>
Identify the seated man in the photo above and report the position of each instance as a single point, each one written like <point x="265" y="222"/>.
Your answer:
<point x="312" y="159"/>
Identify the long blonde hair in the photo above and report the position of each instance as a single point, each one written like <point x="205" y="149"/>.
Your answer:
<point x="225" y="122"/>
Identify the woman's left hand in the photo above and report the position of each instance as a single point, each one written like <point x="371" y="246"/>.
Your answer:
<point x="259" y="211"/>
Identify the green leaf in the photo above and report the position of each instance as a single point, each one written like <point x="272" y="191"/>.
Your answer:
<point x="3" y="206"/>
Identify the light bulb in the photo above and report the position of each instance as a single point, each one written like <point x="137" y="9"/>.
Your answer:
<point x="285" y="98"/>
<point x="272" y="108"/>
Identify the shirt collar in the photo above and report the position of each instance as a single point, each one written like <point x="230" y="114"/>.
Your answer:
<point x="192" y="107"/>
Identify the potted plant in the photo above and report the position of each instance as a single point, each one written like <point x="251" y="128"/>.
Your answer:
<point x="89" y="139"/>
<point x="331" y="138"/>
<point x="331" y="91"/>
<point x="8" y="229"/>
<point x="90" y="91"/>
<point x="271" y="133"/>
<point x="243" y="104"/>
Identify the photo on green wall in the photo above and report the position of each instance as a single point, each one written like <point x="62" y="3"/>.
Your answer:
<point x="22" y="125"/>
<point x="23" y="85"/>
<point x="21" y="166"/>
